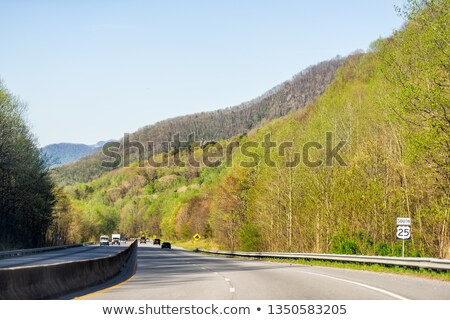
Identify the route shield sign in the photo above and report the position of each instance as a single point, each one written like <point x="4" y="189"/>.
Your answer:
<point x="403" y="232"/>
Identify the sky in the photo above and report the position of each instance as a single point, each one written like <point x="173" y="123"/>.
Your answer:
<point x="92" y="70"/>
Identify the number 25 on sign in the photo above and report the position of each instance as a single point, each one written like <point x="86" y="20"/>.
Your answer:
<point x="403" y="232"/>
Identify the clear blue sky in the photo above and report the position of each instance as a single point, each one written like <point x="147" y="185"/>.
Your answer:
<point x="92" y="70"/>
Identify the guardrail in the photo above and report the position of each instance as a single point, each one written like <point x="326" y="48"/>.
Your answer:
<point x="410" y="262"/>
<point x="55" y="280"/>
<point x="24" y="252"/>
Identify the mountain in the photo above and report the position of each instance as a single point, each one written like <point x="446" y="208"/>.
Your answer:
<point x="222" y="124"/>
<point x="291" y="95"/>
<point x="373" y="147"/>
<point x="61" y="153"/>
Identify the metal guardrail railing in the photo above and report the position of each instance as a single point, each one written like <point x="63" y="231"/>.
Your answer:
<point x="24" y="252"/>
<point x="411" y="262"/>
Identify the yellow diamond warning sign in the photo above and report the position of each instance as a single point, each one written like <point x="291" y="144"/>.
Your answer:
<point x="196" y="237"/>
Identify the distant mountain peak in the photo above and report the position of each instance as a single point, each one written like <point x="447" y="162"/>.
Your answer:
<point x="58" y="154"/>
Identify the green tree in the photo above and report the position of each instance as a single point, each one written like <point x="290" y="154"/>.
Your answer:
<point x="26" y="197"/>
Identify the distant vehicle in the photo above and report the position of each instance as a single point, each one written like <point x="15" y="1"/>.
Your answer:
<point x="123" y="239"/>
<point x="166" y="245"/>
<point x="142" y="240"/>
<point x="104" y="240"/>
<point x="157" y="241"/>
<point x="115" y="238"/>
<point x="147" y="240"/>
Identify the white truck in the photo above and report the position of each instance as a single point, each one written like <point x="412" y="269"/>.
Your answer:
<point x="104" y="240"/>
<point x="115" y="238"/>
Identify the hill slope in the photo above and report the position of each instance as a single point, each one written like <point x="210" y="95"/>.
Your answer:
<point x="221" y="124"/>
<point x="377" y="147"/>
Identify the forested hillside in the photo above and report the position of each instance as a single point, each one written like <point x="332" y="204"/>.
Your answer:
<point x="221" y="124"/>
<point x="386" y="114"/>
<point x="26" y="190"/>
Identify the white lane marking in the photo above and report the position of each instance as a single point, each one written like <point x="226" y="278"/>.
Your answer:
<point x="391" y="294"/>
<point x="232" y="290"/>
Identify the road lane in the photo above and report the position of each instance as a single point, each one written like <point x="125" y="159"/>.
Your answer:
<point x="63" y="255"/>
<point x="182" y="275"/>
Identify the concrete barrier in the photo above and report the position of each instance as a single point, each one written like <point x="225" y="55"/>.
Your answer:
<point x="54" y="280"/>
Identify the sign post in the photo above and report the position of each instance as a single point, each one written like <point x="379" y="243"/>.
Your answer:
<point x="403" y="231"/>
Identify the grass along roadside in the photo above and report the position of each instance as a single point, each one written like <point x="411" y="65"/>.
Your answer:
<point x="191" y="245"/>
<point x="419" y="272"/>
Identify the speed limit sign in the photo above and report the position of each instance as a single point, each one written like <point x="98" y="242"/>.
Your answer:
<point x="403" y="232"/>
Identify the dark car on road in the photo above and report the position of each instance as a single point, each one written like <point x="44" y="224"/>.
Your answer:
<point x="157" y="241"/>
<point x="166" y="245"/>
<point x="142" y="240"/>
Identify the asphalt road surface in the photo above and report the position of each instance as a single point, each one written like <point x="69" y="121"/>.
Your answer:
<point x="176" y="274"/>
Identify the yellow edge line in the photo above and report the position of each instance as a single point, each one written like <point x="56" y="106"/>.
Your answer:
<point x="103" y="290"/>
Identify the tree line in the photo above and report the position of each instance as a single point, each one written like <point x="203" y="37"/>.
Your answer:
<point x="26" y="189"/>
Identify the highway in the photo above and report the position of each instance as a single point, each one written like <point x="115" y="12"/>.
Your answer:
<point x="58" y="256"/>
<point x="178" y="274"/>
